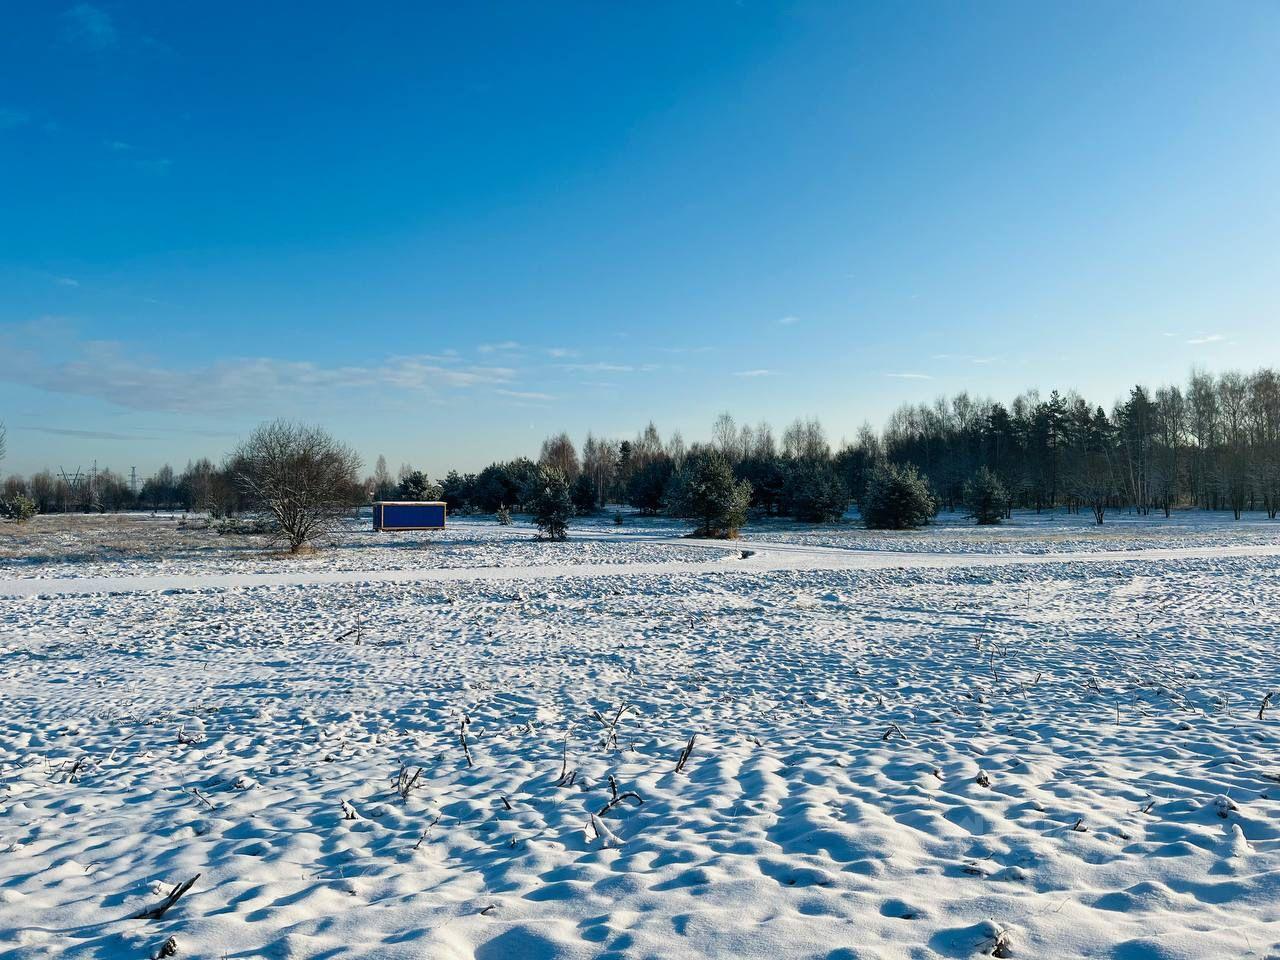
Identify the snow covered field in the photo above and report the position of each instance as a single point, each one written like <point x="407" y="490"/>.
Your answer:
<point x="138" y="544"/>
<point x="938" y="754"/>
<point x="1050" y="532"/>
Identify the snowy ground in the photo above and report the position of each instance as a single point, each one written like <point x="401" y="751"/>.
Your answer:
<point x="1050" y="532"/>
<point x="930" y="755"/>
<point x="139" y="544"/>
<point x="142" y="545"/>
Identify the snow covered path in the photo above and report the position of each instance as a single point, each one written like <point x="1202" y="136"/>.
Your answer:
<point x="741" y="556"/>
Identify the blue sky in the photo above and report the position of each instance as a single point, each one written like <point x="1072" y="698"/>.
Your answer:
<point x="446" y="230"/>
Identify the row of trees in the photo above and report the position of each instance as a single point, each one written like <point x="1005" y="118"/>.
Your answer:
<point x="799" y="477"/>
<point x="1213" y="444"/>
<point x="203" y="487"/>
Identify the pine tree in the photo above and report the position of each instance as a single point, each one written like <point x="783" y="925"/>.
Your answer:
<point x="897" y="498"/>
<point x="985" y="497"/>
<point x="456" y="490"/>
<point x="704" y="490"/>
<point x="815" y="493"/>
<point x="551" y="505"/>
<point x="647" y="486"/>
<point x="19" y="508"/>
<point x="584" y="494"/>
<point x="416" y="486"/>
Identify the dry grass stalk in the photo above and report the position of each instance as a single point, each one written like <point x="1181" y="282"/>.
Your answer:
<point x="161" y="908"/>
<point x="684" y="754"/>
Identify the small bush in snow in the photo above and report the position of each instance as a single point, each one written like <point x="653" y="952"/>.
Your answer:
<point x="897" y="498"/>
<point x="18" y="507"/>
<point x="504" y="515"/>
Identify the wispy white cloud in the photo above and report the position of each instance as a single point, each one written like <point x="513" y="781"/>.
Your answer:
<point x="966" y="357"/>
<point x="525" y="395"/>
<point x="90" y="27"/>
<point x="756" y="373"/>
<point x="909" y="376"/>
<point x="118" y="146"/>
<point x="66" y="281"/>
<point x="598" y="367"/>
<point x="789" y="321"/>
<point x="505" y="346"/>
<point x="83" y="434"/>
<point x="684" y="350"/>
<point x="109" y="371"/>
<point x="1206" y="338"/>
<point x="561" y="353"/>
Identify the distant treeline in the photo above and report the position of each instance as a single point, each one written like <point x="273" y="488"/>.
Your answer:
<point x="1214" y="444"/>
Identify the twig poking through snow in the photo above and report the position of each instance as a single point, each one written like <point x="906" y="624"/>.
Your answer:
<point x="566" y="777"/>
<point x="161" y="908"/>
<point x="195" y="792"/>
<point x="462" y="736"/>
<point x="611" y="726"/>
<point x="894" y="728"/>
<point x="606" y="836"/>
<point x="619" y="797"/>
<point x="426" y="832"/>
<point x="684" y="754"/>
<point x="406" y="782"/>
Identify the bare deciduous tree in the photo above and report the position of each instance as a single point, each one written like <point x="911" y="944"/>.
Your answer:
<point x="600" y="463"/>
<point x="302" y="476"/>
<point x="558" y="452"/>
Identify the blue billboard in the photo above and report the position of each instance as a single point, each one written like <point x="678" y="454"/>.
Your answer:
<point x="409" y="515"/>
